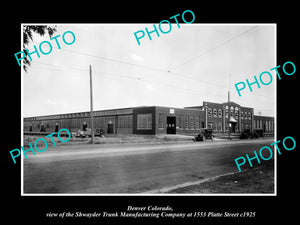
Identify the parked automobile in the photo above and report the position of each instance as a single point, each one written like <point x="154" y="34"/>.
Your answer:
<point x="260" y="132"/>
<point x="99" y="132"/>
<point x="88" y="133"/>
<point x="80" y="133"/>
<point x="204" y="134"/>
<point x="247" y="133"/>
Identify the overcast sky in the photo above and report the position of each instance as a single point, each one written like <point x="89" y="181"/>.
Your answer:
<point x="185" y="67"/>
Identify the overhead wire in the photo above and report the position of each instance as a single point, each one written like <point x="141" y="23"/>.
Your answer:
<point x="155" y="69"/>
<point x="164" y="72"/>
<point x="116" y="76"/>
<point x="214" y="48"/>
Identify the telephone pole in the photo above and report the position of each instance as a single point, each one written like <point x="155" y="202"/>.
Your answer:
<point x="229" y="125"/>
<point x="92" y="113"/>
<point x="229" y="113"/>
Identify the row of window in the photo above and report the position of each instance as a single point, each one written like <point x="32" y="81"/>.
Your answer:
<point x="83" y="114"/>
<point x="266" y="125"/>
<point x="190" y="122"/>
<point x="219" y="113"/>
<point x="184" y="122"/>
<point x="216" y="126"/>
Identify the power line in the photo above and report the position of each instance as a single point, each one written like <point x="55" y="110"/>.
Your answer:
<point x="115" y="76"/>
<point x="214" y="48"/>
<point x="176" y="74"/>
<point x="198" y="80"/>
<point x="165" y="72"/>
<point x="115" y="60"/>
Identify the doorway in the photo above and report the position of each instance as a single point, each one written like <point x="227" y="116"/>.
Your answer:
<point x="56" y="127"/>
<point x="233" y="127"/>
<point x="110" y="128"/>
<point x="171" y="125"/>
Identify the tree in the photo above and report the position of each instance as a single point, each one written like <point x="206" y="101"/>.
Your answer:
<point x="27" y="36"/>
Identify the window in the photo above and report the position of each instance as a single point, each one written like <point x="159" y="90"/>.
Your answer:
<point x="186" y="123"/>
<point x="260" y="124"/>
<point x="180" y="121"/>
<point x="209" y="111"/>
<point x="209" y="124"/>
<point x="220" y="112"/>
<point x="215" y="112"/>
<point x="214" y="125"/>
<point x="144" y="121"/>
<point x="236" y="114"/>
<point x="125" y="121"/>
<point x="249" y="115"/>
<point x="191" y="122"/>
<point x="226" y="113"/>
<point x="197" y="123"/>
<point x="161" y="120"/>
<point x="219" y="126"/>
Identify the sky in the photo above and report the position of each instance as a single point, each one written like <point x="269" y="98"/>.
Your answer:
<point x="188" y="65"/>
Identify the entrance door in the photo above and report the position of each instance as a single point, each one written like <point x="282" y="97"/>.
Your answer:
<point x="171" y="125"/>
<point x="110" y="128"/>
<point x="56" y="127"/>
<point x="84" y="126"/>
<point x="233" y="124"/>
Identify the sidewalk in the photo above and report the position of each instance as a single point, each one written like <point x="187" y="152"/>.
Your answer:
<point x="130" y="139"/>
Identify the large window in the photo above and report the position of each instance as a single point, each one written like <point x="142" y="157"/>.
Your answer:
<point x="144" y="121"/>
<point x="125" y="121"/>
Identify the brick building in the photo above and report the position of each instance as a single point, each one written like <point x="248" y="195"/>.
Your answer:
<point x="156" y="120"/>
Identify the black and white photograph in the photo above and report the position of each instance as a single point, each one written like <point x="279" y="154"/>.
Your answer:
<point x="153" y="116"/>
<point x="145" y="113"/>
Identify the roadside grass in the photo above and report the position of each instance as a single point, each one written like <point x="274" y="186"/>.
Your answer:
<point x="108" y="139"/>
<point x="254" y="180"/>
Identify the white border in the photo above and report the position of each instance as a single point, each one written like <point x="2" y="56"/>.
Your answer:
<point x="118" y="194"/>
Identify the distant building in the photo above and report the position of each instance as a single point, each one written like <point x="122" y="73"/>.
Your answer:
<point x="217" y="117"/>
<point x="156" y="120"/>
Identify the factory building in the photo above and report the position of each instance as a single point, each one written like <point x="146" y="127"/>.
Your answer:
<point x="156" y="120"/>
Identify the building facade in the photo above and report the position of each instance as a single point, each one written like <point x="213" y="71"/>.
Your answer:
<point x="156" y="120"/>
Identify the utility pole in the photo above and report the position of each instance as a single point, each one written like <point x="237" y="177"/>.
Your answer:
<point x="92" y="113"/>
<point x="229" y="125"/>
<point x="229" y="113"/>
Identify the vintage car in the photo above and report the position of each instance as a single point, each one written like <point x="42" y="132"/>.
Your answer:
<point x="204" y="134"/>
<point x="88" y="133"/>
<point x="247" y="133"/>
